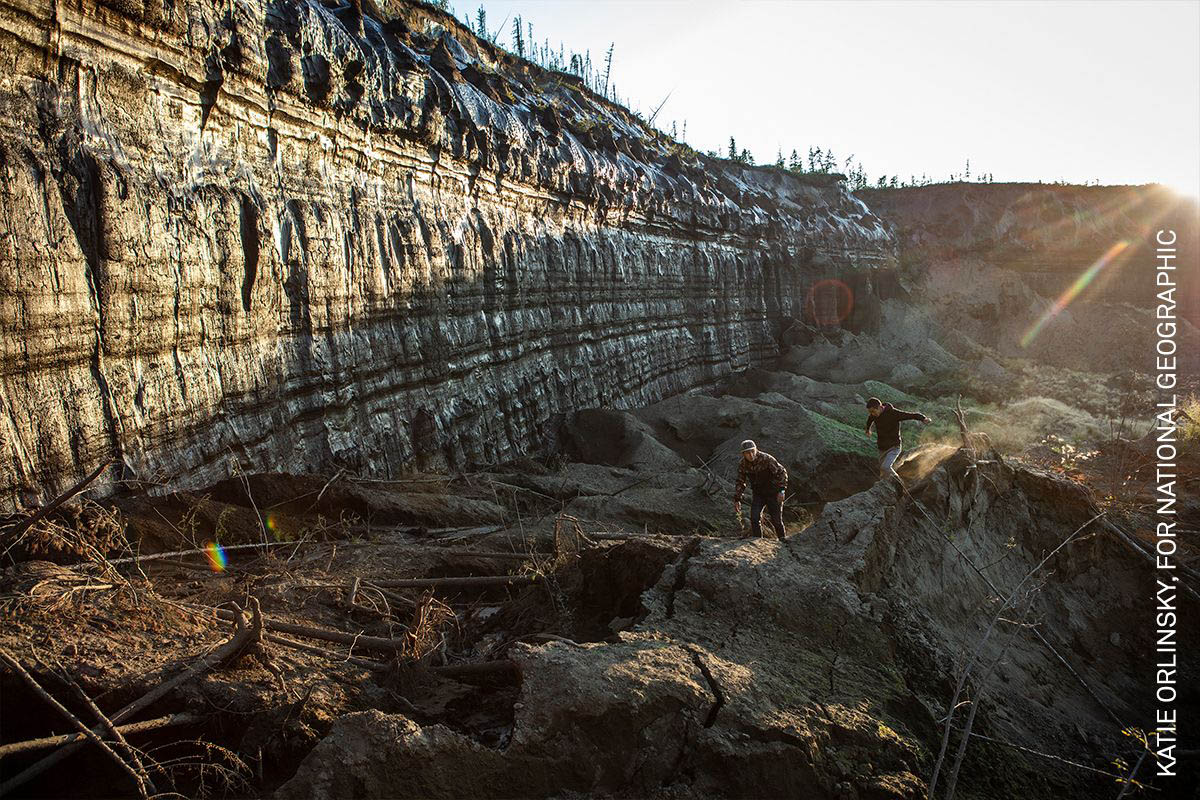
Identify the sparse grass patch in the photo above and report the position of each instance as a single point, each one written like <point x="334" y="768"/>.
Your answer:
<point x="840" y="436"/>
<point x="889" y="394"/>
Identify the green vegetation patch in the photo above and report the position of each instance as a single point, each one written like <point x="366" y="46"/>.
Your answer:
<point x="841" y="437"/>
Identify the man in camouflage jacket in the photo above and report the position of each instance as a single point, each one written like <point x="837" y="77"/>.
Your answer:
<point x="768" y="485"/>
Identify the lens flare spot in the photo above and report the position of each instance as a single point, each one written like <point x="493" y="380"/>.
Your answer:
<point x="829" y="302"/>
<point x="216" y="556"/>
<point x="1074" y="290"/>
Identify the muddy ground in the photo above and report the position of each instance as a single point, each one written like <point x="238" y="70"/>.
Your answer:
<point x="632" y="642"/>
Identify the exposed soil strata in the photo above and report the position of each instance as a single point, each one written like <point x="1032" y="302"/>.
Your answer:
<point x="290" y="233"/>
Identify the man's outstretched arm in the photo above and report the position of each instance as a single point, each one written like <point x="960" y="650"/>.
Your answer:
<point x="913" y="415"/>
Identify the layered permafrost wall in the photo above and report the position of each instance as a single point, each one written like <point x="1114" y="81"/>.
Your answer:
<point x="294" y="235"/>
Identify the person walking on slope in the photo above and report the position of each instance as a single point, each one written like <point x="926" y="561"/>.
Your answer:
<point x="768" y="484"/>
<point x="887" y="418"/>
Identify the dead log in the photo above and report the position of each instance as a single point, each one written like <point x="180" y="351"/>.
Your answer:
<point x="485" y="670"/>
<point x="338" y="637"/>
<point x="365" y="663"/>
<point x="169" y="721"/>
<point x="200" y="551"/>
<point x="50" y="507"/>
<point x="129" y="752"/>
<point x="476" y="582"/>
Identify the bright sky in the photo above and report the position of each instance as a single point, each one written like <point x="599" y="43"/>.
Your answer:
<point x="1026" y="91"/>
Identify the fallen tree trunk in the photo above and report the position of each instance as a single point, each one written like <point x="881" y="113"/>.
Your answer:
<point x="168" y="721"/>
<point x="50" y="507"/>
<point x="145" y="787"/>
<point x="365" y="663"/>
<point x="338" y="637"/>
<point x="477" y="582"/>
<point x="202" y="551"/>
<point x="485" y="670"/>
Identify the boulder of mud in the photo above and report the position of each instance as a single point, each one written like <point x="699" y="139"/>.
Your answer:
<point x="905" y="375"/>
<point x="825" y="458"/>
<point x="907" y="335"/>
<point x="616" y="438"/>
<point x="372" y="754"/>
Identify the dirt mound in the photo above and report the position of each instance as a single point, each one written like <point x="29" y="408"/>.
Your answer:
<point x="818" y="666"/>
<point x="825" y="458"/>
<point x="616" y="438"/>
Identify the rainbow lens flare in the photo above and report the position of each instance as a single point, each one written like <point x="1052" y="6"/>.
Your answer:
<point x="1073" y="291"/>
<point x="829" y="302"/>
<point x="216" y="557"/>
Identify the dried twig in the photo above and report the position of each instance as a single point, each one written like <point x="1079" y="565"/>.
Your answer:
<point x="328" y="483"/>
<point x="241" y="473"/>
<point x="1050" y="757"/>
<point x="338" y="637"/>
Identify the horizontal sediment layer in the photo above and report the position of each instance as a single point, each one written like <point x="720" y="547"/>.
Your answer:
<point x="285" y="235"/>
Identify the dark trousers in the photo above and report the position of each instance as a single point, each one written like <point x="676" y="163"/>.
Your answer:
<point x="774" y="511"/>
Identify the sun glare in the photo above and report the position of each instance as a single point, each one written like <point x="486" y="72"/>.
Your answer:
<point x="1183" y="190"/>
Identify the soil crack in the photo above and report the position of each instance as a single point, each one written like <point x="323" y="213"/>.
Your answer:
<point x="681" y="574"/>
<point x="713" y="686"/>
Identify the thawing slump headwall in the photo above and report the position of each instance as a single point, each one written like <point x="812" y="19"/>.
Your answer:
<point x="294" y="236"/>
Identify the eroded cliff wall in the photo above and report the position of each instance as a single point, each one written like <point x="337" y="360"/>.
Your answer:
<point x="291" y="235"/>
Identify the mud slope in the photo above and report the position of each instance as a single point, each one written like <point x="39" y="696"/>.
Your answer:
<point x="984" y="264"/>
<point x="817" y="666"/>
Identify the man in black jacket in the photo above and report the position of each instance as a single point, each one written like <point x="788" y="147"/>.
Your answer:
<point x="768" y="487"/>
<point x="887" y="418"/>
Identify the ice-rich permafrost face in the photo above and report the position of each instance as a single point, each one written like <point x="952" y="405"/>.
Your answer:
<point x="383" y="246"/>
